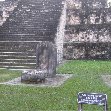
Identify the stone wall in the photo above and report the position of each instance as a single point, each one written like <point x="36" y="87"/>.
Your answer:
<point x="88" y="24"/>
<point x="60" y="35"/>
<point x="74" y="4"/>
<point x="88" y="33"/>
<point x="75" y="17"/>
<point x="87" y="50"/>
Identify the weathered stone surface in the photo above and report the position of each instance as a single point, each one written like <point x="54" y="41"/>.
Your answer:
<point x="31" y="21"/>
<point x="87" y="51"/>
<point x="33" y="76"/>
<point x="46" y="54"/>
<point x="88" y="30"/>
<point x="46" y="59"/>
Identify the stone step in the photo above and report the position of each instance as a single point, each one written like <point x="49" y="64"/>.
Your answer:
<point x="33" y="27"/>
<point x="41" y="6"/>
<point x="15" y="48"/>
<point x="32" y="20"/>
<point x="44" y="18"/>
<point x="18" y="63"/>
<point x="39" y="33"/>
<point x="17" y="67"/>
<point x="40" y="14"/>
<point x="37" y="29"/>
<point x="42" y="3"/>
<point x="44" y="27"/>
<point x="35" y="11"/>
<point x="16" y="57"/>
<point x="27" y="39"/>
<point x="24" y="44"/>
<point x="21" y="37"/>
<point x="37" y="22"/>
<point x="31" y="53"/>
<point x="27" y="33"/>
<point x="25" y="60"/>
<point x="22" y="54"/>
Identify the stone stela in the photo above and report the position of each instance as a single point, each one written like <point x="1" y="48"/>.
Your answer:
<point x="46" y="58"/>
<point x="46" y="61"/>
<point x="92" y="98"/>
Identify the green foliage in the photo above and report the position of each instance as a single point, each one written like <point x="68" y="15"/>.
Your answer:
<point x="86" y="78"/>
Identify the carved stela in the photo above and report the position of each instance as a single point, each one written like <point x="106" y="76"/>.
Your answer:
<point x="46" y="62"/>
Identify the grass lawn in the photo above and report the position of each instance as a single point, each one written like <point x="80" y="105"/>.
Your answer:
<point x="86" y="78"/>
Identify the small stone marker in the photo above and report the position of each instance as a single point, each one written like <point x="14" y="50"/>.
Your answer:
<point x="92" y="98"/>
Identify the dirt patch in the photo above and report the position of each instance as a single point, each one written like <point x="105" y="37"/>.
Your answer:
<point x="56" y="81"/>
<point x="107" y="79"/>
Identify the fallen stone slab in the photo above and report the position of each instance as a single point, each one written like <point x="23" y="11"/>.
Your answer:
<point x="33" y="76"/>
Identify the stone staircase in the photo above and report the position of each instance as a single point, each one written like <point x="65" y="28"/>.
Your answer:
<point x="31" y="21"/>
<point x="17" y="55"/>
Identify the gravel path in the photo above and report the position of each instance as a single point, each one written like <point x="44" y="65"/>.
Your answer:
<point x="56" y="81"/>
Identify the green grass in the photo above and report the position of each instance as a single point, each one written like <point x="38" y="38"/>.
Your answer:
<point x="86" y="78"/>
<point x="6" y="75"/>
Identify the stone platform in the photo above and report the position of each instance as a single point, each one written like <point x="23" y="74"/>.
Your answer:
<point x="56" y="81"/>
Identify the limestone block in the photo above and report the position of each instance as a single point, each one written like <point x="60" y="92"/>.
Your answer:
<point x="33" y="76"/>
<point x="46" y="57"/>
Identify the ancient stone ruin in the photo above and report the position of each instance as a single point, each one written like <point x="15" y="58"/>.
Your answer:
<point x="87" y="34"/>
<point x="46" y="59"/>
<point x="31" y="22"/>
<point x="88" y="30"/>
